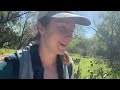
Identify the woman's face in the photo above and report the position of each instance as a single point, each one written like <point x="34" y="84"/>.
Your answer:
<point x="58" y="34"/>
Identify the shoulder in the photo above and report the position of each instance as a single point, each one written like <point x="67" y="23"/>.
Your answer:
<point x="70" y="67"/>
<point x="11" y="57"/>
<point x="6" y="67"/>
<point x="8" y="60"/>
<point x="71" y="70"/>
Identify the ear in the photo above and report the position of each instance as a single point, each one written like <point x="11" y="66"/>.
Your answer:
<point x="40" y="28"/>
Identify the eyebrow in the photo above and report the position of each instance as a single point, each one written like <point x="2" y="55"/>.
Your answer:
<point x="63" y="27"/>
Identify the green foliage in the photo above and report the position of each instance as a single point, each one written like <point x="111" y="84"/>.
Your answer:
<point x="94" y="68"/>
<point x="15" y="28"/>
<point x="7" y="33"/>
<point x="6" y="51"/>
<point x="79" y="45"/>
<point x="108" y="36"/>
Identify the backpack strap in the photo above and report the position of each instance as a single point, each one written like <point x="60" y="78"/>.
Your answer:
<point x="9" y="67"/>
<point x="65" y="72"/>
<point x="2" y="65"/>
<point x="70" y="71"/>
<point x="25" y="70"/>
<point x="16" y="65"/>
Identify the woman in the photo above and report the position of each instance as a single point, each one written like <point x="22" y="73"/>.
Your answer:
<point x="48" y="59"/>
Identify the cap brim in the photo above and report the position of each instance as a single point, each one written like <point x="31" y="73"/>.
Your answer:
<point x="77" y="18"/>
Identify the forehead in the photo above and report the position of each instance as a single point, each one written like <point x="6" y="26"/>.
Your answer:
<point x="63" y="22"/>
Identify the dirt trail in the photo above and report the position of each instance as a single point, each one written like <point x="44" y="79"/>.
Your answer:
<point x="3" y="56"/>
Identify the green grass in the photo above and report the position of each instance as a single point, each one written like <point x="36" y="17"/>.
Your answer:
<point x="74" y="56"/>
<point x="86" y="67"/>
<point x="6" y="51"/>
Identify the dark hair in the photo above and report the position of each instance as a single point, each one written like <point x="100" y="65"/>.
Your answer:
<point x="44" y="21"/>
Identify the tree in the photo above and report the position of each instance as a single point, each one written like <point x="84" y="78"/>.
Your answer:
<point x="7" y="20"/>
<point x="8" y="27"/>
<point x="27" y="28"/>
<point x="108" y="36"/>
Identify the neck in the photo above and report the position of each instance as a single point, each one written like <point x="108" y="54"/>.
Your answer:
<point x="47" y="58"/>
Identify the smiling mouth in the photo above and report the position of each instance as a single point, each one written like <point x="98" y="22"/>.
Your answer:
<point x="62" y="43"/>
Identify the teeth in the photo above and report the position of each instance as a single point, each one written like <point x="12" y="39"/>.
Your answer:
<point x="63" y="43"/>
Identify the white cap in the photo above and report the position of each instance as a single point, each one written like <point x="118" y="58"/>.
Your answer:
<point x="65" y="14"/>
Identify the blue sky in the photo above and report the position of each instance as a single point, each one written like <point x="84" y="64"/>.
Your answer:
<point x="93" y="16"/>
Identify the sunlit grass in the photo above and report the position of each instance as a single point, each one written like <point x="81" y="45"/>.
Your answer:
<point x="89" y="64"/>
<point x="6" y="51"/>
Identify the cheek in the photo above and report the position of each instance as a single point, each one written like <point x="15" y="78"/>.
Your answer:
<point x="52" y="39"/>
<point x="55" y="36"/>
<point x="58" y="38"/>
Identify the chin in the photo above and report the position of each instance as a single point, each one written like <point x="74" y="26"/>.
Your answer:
<point x="61" y="53"/>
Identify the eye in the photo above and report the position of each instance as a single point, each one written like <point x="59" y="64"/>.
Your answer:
<point x="66" y="31"/>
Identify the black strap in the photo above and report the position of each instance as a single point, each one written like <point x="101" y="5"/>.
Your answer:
<point x="15" y="64"/>
<point x="36" y="62"/>
<point x="59" y="67"/>
<point x="70" y="70"/>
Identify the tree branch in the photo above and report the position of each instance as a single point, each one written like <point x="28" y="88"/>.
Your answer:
<point x="97" y="31"/>
<point x="8" y="19"/>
